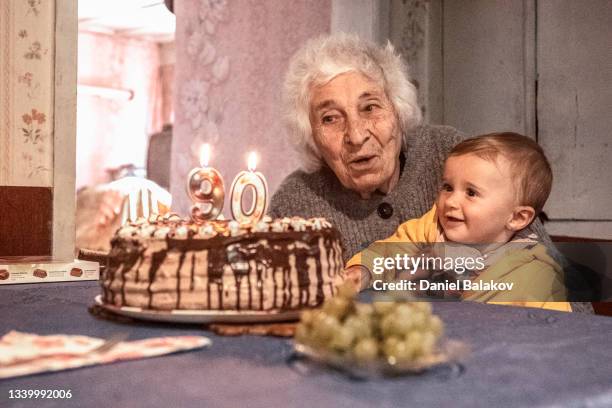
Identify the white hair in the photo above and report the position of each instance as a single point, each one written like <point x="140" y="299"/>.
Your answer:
<point x="322" y="59"/>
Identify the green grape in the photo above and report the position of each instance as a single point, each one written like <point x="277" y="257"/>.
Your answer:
<point x="419" y="320"/>
<point x="389" y="344"/>
<point x="337" y="307"/>
<point x="364" y="309"/>
<point x="403" y="325"/>
<point x="342" y="339"/>
<point x="323" y="327"/>
<point x="317" y="317"/>
<point x="400" y="352"/>
<point x="360" y="327"/>
<point x="405" y="313"/>
<point x="383" y="308"/>
<point x="401" y="331"/>
<point x="366" y="349"/>
<point x="387" y="327"/>
<point x="302" y="334"/>
<point x="394" y="325"/>
<point x="414" y="337"/>
<point x="347" y="291"/>
<point x="436" y="325"/>
<point x="422" y="342"/>
<point x="424" y="307"/>
<point x="428" y="342"/>
<point x="307" y="317"/>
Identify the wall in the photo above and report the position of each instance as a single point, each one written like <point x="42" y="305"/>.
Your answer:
<point x="37" y="127"/>
<point x="489" y="66"/>
<point x="26" y="93"/>
<point x="574" y="57"/>
<point x="231" y="58"/>
<point x="541" y="68"/>
<point x="113" y="131"/>
<point x="415" y="32"/>
<point x="166" y="77"/>
<point x="369" y="19"/>
<point x="26" y="127"/>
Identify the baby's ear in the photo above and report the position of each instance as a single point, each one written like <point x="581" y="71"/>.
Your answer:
<point x="521" y="218"/>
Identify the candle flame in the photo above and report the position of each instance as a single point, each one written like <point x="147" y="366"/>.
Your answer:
<point x="204" y="154"/>
<point x="252" y="161"/>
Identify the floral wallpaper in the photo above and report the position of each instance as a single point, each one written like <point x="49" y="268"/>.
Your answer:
<point x="409" y="31"/>
<point x="231" y="59"/>
<point x="26" y="92"/>
<point x="213" y="69"/>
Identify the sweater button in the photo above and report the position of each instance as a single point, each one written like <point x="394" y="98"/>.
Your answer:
<point x="385" y="210"/>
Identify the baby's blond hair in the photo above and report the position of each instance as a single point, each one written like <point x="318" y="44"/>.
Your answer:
<point x="530" y="167"/>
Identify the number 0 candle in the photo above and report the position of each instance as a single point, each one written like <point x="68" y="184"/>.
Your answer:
<point x="206" y="189"/>
<point x="257" y="183"/>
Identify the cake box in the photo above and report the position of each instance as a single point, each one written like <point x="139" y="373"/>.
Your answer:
<point x="15" y="270"/>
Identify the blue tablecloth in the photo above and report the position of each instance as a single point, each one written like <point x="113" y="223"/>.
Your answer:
<point x="520" y="357"/>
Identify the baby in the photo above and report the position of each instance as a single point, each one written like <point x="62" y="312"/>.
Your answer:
<point x="492" y="188"/>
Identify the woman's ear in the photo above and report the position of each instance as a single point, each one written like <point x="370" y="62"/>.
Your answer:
<point x="521" y="218"/>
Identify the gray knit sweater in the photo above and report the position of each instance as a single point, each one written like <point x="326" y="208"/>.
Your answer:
<point x="320" y="194"/>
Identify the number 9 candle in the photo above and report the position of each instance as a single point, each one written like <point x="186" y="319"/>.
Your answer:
<point x="257" y="182"/>
<point x="206" y="189"/>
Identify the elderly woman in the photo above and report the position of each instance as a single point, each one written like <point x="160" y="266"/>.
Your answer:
<point x="368" y="163"/>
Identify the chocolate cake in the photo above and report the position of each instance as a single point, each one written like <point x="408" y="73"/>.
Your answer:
<point x="169" y="263"/>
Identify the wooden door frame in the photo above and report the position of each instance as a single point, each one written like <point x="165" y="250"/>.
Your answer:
<point x="64" y="129"/>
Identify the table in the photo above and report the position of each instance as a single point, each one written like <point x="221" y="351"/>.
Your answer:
<point x="521" y="357"/>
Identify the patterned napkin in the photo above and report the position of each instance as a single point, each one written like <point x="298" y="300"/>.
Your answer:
<point x="25" y="353"/>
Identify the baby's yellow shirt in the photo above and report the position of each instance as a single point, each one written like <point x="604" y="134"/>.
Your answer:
<point x="427" y="230"/>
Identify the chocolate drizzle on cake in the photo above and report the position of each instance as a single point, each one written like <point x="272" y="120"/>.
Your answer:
<point x="320" y="295"/>
<point x="301" y="266"/>
<point x="192" y="274"/>
<point x="216" y="261"/>
<point x="140" y="260"/>
<point x="274" y="265"/>
<point x="123" y="257"/>
<point x="178" y="279"/>
<point x="156" y="261"/>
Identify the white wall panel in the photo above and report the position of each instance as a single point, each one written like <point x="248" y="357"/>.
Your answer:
<point x="488" y="65"/>
<point x="574" y="57"/>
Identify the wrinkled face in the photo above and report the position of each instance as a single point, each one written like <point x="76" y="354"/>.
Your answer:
<point x="356" y="130"/>
<point x="476" y="200"/>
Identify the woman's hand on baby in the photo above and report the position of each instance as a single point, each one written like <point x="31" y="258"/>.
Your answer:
<point x="110" y="206"/>
<point x="357" y="275"/>
<point x="415" y="275"/>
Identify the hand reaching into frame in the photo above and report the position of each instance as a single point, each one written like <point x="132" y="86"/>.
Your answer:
<point x="103" y="209"/>
<point x="140" y="198"/>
